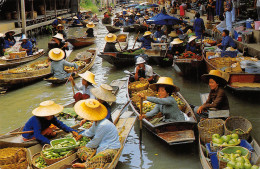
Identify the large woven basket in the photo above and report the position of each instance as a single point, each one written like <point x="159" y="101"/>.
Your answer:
<point x="11" y="155"/>
<point x="209" y="127"/>
<point x="237" y="122"/>
<point x="133" y="86"/>
<point x="34" y="158"/>
<point x="22" y="164"/>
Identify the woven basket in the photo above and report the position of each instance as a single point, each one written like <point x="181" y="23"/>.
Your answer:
<point x="218" y="148"/>
<point x="133" y="88"/>
<point x="34" y="158"/>
<point x="17" y="55"/>
<point x="22" y="164"/>
<point x="209" y="127"/>
<point x="237" y="122"/>
<point x="13" y="155"/>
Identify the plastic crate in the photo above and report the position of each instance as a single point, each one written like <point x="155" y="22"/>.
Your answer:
<point x="232" y="54"/>
<point x="213" y="155"/>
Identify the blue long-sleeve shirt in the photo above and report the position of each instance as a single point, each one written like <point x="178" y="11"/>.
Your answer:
<point x="105" y="136"/>
<point x="8" y="44"/>
<point x="198" y="27"/>
<point x="28" y="45"/>
<point x="146" y="42"/>
<point x="55" y="23"/>
<point x="57" y="68"/>
<point x="226" y="42"/>
<point x="76" y="22"/>
<point x="38" y="124"/>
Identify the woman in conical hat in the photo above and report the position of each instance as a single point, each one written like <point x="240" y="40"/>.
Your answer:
<point x="165" y="104"/>
<point x="90" y="31"/>
<point x="58" y="63"/>
<point x="26" y="45"/>
<point x="60" y="42"/>
<point x="60" y="29"/>
<point x="9" y="39"/>
<point x="41" y="121"/>
<point x="146" y="40"/>
<point x="105" y="135"/>
<point x="217" y="98"/>
<point x="88" y="79"/>
<point x="111" y="40"/>
<point x="176" y="47"/>
<point x="192" y="45"/>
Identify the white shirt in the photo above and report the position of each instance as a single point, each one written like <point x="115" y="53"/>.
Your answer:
<point x="85" y="90"/>
<point x="148" y="70"/>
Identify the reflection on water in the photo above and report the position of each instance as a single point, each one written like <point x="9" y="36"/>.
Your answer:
<point x="16" y="107"/>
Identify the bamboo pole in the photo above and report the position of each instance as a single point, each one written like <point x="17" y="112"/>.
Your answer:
<point x="44" y="4"/>
<point x="55" y="8"/>
<point x="18" y="13"/>
<point x="23" y="17"/>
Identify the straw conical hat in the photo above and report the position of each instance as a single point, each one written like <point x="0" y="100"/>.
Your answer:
<point x="138" y="14"/>
<point x="173" y="34"/>
<point x="60" y="25"/>
<point x="58" y="36"/>
<point x="176" y="41"/>
<point x="147" y="33"/>
<point x="90" y="109"/>
<point x="59" y="18"/>
<point x="165" y="81"/>
<point x="47" y="108"/>
<point x="90" y="25"/>
<point x="146" y="17"/>
<point x="110" y="37"/>
<point x="75" y="17"/>
<point x="104" y="92"/>
<point x="219" y="76"/>
<point x="88" y="76"/>
<point x="56" y="54"/>
<point x="192" y="38"/>
<point x="11" y="31"/>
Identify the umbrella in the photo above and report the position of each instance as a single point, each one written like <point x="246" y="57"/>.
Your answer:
<point x="153" y="5"/>
<point x="132" y="5"/>
<point x="163" y="19"/>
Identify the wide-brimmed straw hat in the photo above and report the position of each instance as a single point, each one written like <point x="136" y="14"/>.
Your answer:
<point x="75" y="17"/>
<point x="176" y="41"/>
<point x="24" y="37"/>
<point x="219" y="76"/>
<point x="56" y="54"/>
<point x="59" y="18"/>
<point x="11" y="31"/>
<point x="146" y="17"/>
<point x="138" y="14"/>
<point x="173" y="34"/>
<point x="165" y="81"/>
<point x="90" y="109"/>
<point x="110" y="37"/>
<point x="58" y="36"/>
<point x="104" y="92"/>
<point x="147" y="33"/>
<point x="90" y="25"/>
<point x="192" y="38"/>
<point x="140" y="60"/>
<point x="60" y="25"/>
<point x="47" y="108"/>
<point x="88" y="76"/>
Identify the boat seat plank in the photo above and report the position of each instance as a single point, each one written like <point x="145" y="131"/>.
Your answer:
<point x="124" y="126"/>
<point x="177" y="136"/>
<point x="126" y="114"/>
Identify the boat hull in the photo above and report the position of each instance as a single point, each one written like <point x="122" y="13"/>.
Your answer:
<point x="189" y="67"/>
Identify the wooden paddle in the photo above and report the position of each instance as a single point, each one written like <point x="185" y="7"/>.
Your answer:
<point x="121" y="112"/>
<point x="22" y="132"/>
<point x="136" y="39"/>
<point x="119" y="45"/>
<point x="141" y="121"/>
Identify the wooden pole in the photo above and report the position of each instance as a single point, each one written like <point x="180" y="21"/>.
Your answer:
<point x="32" y="10"/>
<point x="18" y="13"/>
<point x="55" y="8"/>
<point x="23" y="17"/>
<point x="136" y="39"/>
<point x="44" y="4"/>
<point x="141" y="121"/>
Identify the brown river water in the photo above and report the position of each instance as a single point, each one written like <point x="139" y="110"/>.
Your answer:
<point x="16" y="107"/>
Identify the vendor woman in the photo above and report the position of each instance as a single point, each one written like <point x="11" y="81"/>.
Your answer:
<point x="227" y="41"/>
<point x="26" y="45"/>
<point x="60" y="29"/>
<point x="192" y="46"/>
<point x="165" y="104"/>
<point x="40" y="123"/>
<point x="142" y="70"/>
<point x="90" y="31"/>
<point x="177" y="47"/>
<point x="9" y="39"/>
<point x="147" y="40"/>
<point x="111" y="43"/>
<point x="58" y="63"/>
<point x="217" y="98"/>
<point x="105" y="135"/>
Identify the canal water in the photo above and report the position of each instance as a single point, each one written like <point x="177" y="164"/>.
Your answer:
<point x="16" y="107"/>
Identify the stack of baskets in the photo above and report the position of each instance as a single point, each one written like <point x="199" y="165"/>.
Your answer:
<point x="138" y="85"/>
<point x="208" y="127"/>
<point x="14" y="158"/>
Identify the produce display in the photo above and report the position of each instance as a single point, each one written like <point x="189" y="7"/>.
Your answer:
<point x="83" y="141"/>
<point x="51" y="154"/>
<point x="87" y="125"/>
<point x="189" y="55"/>
<point x="40" y="163"/>
<point x="147" y="106"/>
<point x="149" y="92"/>
<point x="137" y="52"/>
<point x="53" y="78"/>
<point x="225" y="140"/>
<point x="138" y="85"/>
<point x="209" y="41"/>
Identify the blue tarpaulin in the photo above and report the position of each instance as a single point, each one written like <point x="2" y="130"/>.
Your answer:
<point x="164" y="19"/>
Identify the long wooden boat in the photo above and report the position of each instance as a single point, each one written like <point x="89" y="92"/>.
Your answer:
<point x="88" y="66"/>
<point x="119" y="59"/>
<point x="9" y="140"/>
<point x="239" y="82"/>
<point x="158" y="57"/>
<point x="172" y="132"/>
<point x="10" y="63"/>
<point x="123" y="40"/>
<point x="140" y="28"/>
<point x="106" y="21"/>
<point x="129" y="28"/>
<point x="112" y="29"/>
<point x="82" y="42"/>
<point x="205" y="159"/>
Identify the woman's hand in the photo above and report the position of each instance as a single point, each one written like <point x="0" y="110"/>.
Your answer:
<point x="200" y="109"/>
<point x="141" y="117"/>
<point x="142" y="95"/>
<point x="82" y="122"/>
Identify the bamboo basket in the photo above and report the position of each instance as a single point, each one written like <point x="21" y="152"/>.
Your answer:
<point x="209" y="127"/>
<point x="34" y="158"/>
<point x="134" y="88"/>
<point x="12" y="155"/>
<point x="237" y="122"/>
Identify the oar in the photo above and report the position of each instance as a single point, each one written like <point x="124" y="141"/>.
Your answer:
<point x="73" y="87"/>
<point x="141" y="121"/>
<point x="22" y="132"/>
<point x="136" y="39"/>
<point x="119" y="45"/>
<point x="121" y="112"/>
<point x="127" y="72"/>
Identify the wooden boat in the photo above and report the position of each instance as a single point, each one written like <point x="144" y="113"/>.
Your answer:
<point x="239" y="82"/>
<point x="119" y="59"/>
<point x="82" y="42"/>
<point x="123" y="40"/>
<point x="24" y="75"/>
<point x="158" y="57"/>
<point x="106" y="21"/>
<point x="112" y="29"/>
<point x="205" y="161"/>
<point x="129" y="29"/>
<point x="172" y="132"/>
<point x="10" y="63"/>
<point x="89" y="64"/>
<point x="9" y="140"/>
<point x="140" y="28"/>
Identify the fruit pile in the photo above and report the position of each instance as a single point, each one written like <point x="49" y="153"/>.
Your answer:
<point x="138" y="85"/>
<point x="149" y="92"/>
<point x="80" y="63"/>
<point x="225" y="140"/>
<point x="28" y="68"/>
<point x="189" y="55"/>
<point x="209" y="41"/>
<point x="147" y="106"/>
<point x="40" y="163"/>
